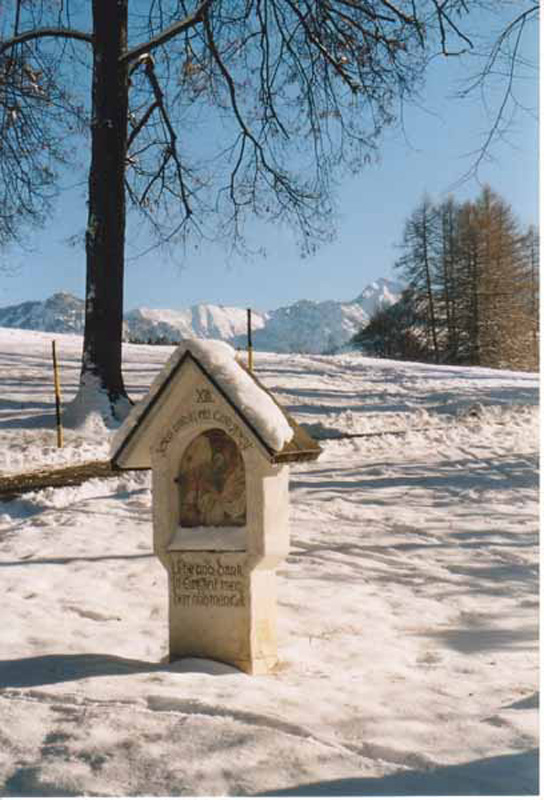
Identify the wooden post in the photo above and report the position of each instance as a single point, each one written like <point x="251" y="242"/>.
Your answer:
<point x="249" y="342"/>
<point x="60" y="440"/>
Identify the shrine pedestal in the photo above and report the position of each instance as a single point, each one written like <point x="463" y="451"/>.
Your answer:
<point x="221" y="607"/>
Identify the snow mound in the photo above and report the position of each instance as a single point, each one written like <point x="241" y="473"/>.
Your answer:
<point x="91" y="411"/>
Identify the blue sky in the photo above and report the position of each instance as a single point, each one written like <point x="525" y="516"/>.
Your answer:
<point x="436" y="148"/>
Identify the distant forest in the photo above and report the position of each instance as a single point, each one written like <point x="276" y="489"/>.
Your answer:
<point x="472" y="296"/>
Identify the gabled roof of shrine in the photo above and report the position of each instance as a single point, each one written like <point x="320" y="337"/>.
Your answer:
<point x="282" y="440"/>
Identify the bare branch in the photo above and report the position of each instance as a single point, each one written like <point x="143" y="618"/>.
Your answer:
<point x="174" y="30"/>
<point x="141" y="124"/>
<point x="398" y="13"/>
<point x="43" y="33"/>
<point x="511" y="37"/>
<point x="337" y="66"/>
<point x="171" y="150"/>
<point x="493" y="131"/>
<point x="443" y="17"/>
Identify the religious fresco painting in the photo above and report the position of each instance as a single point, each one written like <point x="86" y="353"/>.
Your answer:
<point x="212" y="483"/>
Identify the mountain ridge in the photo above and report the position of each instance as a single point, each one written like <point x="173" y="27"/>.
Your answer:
<point x="305" y="326"/>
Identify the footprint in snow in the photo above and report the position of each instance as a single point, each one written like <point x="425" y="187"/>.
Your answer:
<point x="95" y="616"/>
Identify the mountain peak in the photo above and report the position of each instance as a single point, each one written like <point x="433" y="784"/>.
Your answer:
<point x="381" y="287"/>
<point x="306" y="326"/>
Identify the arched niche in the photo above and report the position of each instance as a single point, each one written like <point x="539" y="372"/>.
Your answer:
<point x="211" y="482"/>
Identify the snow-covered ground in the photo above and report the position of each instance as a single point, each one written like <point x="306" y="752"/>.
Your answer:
<point x="408" y="608"/>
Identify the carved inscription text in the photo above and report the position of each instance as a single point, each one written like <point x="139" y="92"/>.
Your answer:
<point x="204" y="396"/>
<point x="199" y="416"/>
<point x="209" y="583"/>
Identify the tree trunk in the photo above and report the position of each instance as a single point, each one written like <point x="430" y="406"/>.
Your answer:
<point x="105" y="236"/>
<point x="447" y="212"/>
<point x="425" y="223"/>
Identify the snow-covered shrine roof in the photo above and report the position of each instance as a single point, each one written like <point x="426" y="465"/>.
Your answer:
<point x="282" y="439"/>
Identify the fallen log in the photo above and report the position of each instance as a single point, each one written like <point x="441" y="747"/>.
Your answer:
<point x="71" y="475"/>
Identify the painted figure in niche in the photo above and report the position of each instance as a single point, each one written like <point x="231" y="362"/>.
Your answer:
<point x="212" y="482"/>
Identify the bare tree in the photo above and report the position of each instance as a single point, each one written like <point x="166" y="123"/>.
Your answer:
<point x="292" y="92"/>
<point x="418" y="267"/>
<point x="447" y="288"/>
<point x="494" y="284"/>
<point x="531" y="249"/>
<point x="34" y="108"/>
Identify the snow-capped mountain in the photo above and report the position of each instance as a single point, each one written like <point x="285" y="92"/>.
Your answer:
<point x="381" y="292"/>
<point x="202" y="321"/>
<point x="305" y="326"/>
<point x="308" y="326"/>
<point x="60" y="313"/>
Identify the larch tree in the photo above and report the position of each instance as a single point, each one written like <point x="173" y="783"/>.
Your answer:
<point x="201" y="113"/>
<point x="417" y="266"/>
<point x="499" y="310"/>
<point x="531" y="245"/>
<point x="467" y="277"/>
<point x="446" y="278"/>
<point x="473" y="289"/>
<point x="496" y="278"/>
<point x="494" y="284"/>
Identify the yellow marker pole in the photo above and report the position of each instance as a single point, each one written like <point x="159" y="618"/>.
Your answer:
<point x="60" y="440"/>
<point x="249" y="342"/>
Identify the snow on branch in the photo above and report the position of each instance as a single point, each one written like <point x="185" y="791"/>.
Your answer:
<point x="42" y="33"/>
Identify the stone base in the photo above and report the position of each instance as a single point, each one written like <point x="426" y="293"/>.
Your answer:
<point x="222" y="609"/>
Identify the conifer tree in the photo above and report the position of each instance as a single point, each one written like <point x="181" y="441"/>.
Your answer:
<point x="446" y="276"/>
<point x="417" y="266"/>
<point x="473" y="292"/>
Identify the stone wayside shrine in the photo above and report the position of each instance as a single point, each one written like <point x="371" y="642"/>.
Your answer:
<point x="219" y="447"/>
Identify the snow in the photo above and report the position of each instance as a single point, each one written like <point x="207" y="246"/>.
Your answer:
<point x="219" y="359"/>
<point x="204" y="321"/>
<point x="90" y="411"/>
<point x="407" y="609"/>
<point x="216" y="538"/>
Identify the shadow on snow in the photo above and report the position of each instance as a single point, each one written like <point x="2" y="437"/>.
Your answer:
<point x="511" y="774"/>
<point x="65" y="667"/>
